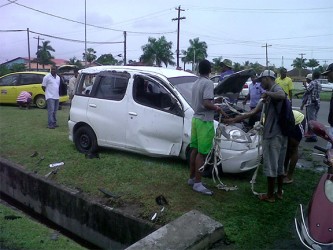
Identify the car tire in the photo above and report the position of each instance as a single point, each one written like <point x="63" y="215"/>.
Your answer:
<point x="40" y="101"/>
<point x="85" y="140"/>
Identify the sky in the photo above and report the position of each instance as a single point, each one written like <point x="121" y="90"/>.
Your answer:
<point x="236" y="30"/>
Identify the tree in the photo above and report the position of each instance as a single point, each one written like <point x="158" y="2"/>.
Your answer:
<point x="107" y="59"/>
<point x="196" y="52"/>
<point x="299" y="63"/>
<point x="217" y="64"/>
<point x="90" y="57"/>
<point x="237" y="67"/>
<point x="157" y="52"/>
<point x="74" y="61"/>
<point x="312" y="63"/>
<point x="44" y="56"/>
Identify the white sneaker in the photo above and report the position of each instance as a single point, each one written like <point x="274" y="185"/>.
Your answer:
<point x="198" y="187"/>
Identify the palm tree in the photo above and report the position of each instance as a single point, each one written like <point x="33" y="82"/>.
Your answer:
<point x="44" y="55"/>
<point x="90" y="55"/>
<point x="312" y="63"/>
<point x="217" y="64"/>
<point x="300" y="64"/>
<point x="157" y="51"/>
<point x="196" y="52"/>
<point x="74" y="61"/>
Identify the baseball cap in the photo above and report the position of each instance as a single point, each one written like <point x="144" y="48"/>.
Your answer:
<point x="328" y="70"/>
<point x="267" y="72"/>
<point x="309" y="76"/>
<point x="227" y="63"/>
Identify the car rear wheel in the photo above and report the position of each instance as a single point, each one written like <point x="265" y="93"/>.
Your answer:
<point x="85" y="140"/>
<point x="40" y="101"/>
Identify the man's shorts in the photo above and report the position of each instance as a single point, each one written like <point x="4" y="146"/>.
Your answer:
<point x="202" y="135"/>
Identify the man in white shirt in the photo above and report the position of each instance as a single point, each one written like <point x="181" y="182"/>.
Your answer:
<point x="50" y="85"/>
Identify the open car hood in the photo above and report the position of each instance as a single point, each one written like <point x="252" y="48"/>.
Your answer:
<point x="233" y="83"/>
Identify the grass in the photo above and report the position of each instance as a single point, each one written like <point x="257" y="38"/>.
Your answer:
<point x="17" y="231"/>
<point x="249" y="223"/>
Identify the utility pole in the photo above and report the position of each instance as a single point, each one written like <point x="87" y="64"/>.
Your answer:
<point x="85" y="33"/>
<point x="178" y="19"/>
<point x="38" y="38"/>
<point x="29" y="48"/>
<point x="301" y="54"/>
<point x="266" y="54"/>
<point x="125" y="34"/>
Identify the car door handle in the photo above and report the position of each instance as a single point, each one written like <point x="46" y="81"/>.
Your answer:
<point x="132" y="113"/>
<point x="92" y="105"/>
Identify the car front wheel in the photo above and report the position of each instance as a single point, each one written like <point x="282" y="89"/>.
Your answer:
<point x="85" y="140"/>
<point x="40" y="101"/>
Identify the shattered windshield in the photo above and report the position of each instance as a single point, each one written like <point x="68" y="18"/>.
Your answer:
<point x="184" y="86"/>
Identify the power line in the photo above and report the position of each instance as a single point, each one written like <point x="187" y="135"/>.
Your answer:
<point x="61" y="38"/>
<point x="91" y="25"/>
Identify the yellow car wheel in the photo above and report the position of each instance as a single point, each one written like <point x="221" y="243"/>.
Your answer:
<point x="40" y="101"/>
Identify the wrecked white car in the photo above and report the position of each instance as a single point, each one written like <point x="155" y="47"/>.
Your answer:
<point x="147" y="110"/>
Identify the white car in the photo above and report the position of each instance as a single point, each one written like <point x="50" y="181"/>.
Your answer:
<point x="147" y="110"/>
<point x="326" y="85"/>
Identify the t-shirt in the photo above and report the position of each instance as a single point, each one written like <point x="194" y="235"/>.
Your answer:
<point x="286" y="84"/>
<point x="23" y="96"/>
<point x="271" y="126"/>
<point x="203" y="89"/>
<point x="255" y="92"/>
<point x="225" y="74"/>
<point x="51" y="85"/>
<point x="71" y="86"/>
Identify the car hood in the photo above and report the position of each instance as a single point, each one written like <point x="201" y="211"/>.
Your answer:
<point x="233" y="83"/>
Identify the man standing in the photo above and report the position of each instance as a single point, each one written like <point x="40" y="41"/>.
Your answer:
<point x="312" y="104"/>
<point x="202" y="131"/>
<point x="329" y="73"/>
<point x="285" y="82"/>
<point x="274" y="144"/>
<point x="255" y="93"/>
<point x="72" y="84"/>
<point x="50" y="85"/>
<point x="226" y="70"/>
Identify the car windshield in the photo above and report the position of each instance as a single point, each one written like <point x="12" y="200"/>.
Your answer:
<point x="184" y="86"/>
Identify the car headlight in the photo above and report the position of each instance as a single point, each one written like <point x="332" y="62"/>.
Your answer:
<point x="234" y="133"/>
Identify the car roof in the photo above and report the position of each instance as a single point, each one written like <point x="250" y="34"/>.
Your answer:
<point x="27" y="72"/>
<point x="169" y="73"/>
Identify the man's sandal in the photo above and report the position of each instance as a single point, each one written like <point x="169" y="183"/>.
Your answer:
<point x="265" y="197"/>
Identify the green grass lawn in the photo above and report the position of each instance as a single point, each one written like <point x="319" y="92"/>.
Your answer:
<point x="248" y="222"/>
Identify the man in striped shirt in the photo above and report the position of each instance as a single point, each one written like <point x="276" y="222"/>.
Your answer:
<point x="24" y="99"/>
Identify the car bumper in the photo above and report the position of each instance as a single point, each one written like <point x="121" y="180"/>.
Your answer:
<point x="239" y="161"/>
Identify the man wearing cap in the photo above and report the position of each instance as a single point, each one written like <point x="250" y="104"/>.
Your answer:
<point x="329" y="73"/>
<point x="274" y="144"/>
<point x="312" y="104"/>
<point x="226" y="70"/>
<point x="308" y="79"/>
<point x="285" y="82"/>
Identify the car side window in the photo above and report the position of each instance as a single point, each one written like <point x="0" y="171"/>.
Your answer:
<point x="10" y="80"/>
<point x="27" y="79"/>
<point x="111" y="87"/>
<point x="152" y="94"/>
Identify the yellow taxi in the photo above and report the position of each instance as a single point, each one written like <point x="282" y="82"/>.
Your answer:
<point x="12" y="84"/>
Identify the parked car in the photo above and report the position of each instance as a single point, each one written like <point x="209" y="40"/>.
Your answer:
<point x="326" y="85"/>
<point x="12" y="84"/>
<point x="147" y="110"/>
<point x="244" y="92"/>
